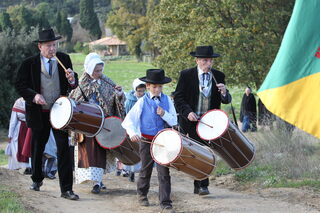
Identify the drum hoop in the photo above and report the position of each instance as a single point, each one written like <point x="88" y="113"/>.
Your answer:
<point x="70" y="116"/>
<point x="166" y="129"/>
<point x="197" y="127"/>
<point x="114" y="147"/>
<point x="102" y="121"/>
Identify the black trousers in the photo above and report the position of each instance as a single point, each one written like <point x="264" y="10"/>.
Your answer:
<point x="143" y="183"/>
<point x="38" y="143"/>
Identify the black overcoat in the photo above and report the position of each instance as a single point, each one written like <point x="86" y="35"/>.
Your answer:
<point x="186" y="97"/>
<point x="28" y="84"/>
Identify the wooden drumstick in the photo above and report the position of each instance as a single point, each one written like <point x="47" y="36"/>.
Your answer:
<point x="144" y="141"/>
<point x="205" y="123"/>
<point x="60" y="63"/>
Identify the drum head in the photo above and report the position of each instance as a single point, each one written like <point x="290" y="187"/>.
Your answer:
<point x="166" y="146"/>
<point x="112" y="133"/>
<point x="212" y="125"/>
<point x="61" y="112"/>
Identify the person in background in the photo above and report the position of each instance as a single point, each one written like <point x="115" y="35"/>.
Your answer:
<point x="248" y="111"/>
<point x="16" y="136"/>
<point x="139" y="88"/>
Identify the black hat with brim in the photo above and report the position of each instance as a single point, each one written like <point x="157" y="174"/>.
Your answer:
<point x="155" y="76"/>
<point x="204" y="52"/>
<point x="46" y="36"/>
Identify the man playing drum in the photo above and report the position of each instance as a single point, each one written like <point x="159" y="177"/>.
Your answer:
<point x="40" y="81"/>
<point x="199" y="89"/>
<point x="146" y="118"/>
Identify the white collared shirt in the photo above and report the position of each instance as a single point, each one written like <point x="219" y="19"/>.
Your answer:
<point x="132" y="120"/>
<point x="204" y="85"/>
<point x="46" y="62"/>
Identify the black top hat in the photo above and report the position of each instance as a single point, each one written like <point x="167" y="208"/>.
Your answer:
<point x="47" y="35"/>
<point x="155" y="76"/>
<point x="204" y="52"/>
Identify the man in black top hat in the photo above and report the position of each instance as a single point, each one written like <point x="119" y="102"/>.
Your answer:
<point x="199" y="89"/>
<point x="40" y="81"/>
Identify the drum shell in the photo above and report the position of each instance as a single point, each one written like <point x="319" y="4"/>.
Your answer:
<point x="194" y="159"/>
<point x="234" y="148"/>
<point x="199" y="169"/>
<point x="84" y="118"/>
<point x="88" y="123"/>
<point x="114" y="138"/>
<point x="128" y="152"/>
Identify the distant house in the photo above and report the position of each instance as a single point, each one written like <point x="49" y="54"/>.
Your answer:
<point x="109" y="46"/>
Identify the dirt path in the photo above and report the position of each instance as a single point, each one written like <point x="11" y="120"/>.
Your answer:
<point x="120" y="196"/>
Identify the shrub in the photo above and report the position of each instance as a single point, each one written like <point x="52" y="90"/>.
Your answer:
<point x="15" y="47"/>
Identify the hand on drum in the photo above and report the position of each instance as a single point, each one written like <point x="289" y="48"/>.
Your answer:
<point x="135" y="138"/>
<point x="39" y="99"/>
<point x="222" y="89"/>
<point x="192" y="116"/>
<point x="160" y="111"/>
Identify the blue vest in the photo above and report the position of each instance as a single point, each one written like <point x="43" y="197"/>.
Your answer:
<point x="150" y="122"/>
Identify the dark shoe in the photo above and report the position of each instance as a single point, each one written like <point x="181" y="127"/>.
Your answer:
<point x="50" y="176"/>
<point x="102" y="186"/>
<point x="36" y="186"/>
<point x="27" y="171"/>
<point x="204" y="191"/>
<point x="131" y="177"/>
<point x="96" y="189"/>
<point x="143" y="201"/>
<point x="118" y="173"/>
<point x="196" y="190"/>
<point x="168" y="209"/>
<point x="69" y="195"/>
<point x="125" y="173"/>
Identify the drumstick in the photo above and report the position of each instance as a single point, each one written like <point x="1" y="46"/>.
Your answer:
<point x="205" y="123"/>
<point x="60" y="63"/>
<point x="144" y="141"/>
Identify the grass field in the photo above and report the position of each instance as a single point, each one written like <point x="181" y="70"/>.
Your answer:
<point x="124" y="72"/>
<point x="9" y="201"/>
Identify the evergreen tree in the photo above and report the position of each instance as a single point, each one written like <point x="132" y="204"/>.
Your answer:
<point x="89" y="19"/>
<point x="43" y="22"/>
<point x="65" y="27"/>
<point x="5" y="22"/>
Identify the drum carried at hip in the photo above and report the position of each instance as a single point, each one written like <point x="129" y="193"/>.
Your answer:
<point x="172" y="149"/>
<point x="89" y="119"/>
<point x="226" y="139"/>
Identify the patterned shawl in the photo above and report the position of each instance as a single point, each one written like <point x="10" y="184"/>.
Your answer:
<point x="111" y="100"/>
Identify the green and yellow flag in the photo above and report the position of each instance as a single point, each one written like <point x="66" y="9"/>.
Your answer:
<point x="291" y="89"/>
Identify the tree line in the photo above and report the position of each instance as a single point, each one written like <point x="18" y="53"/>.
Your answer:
<point x="247" y="33"/>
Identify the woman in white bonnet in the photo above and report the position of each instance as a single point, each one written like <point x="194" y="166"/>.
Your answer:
<point x="93" y="160"/>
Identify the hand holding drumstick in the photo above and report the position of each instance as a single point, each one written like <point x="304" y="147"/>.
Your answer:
<point x="69" y="72"/>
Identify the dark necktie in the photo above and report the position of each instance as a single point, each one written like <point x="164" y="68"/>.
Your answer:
<point x="50" y="67"/>
<point x="156" y="98"/>
<point x="205" y="76"/>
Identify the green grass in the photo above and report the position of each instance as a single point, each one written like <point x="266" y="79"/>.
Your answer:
<point x="10" y="202"/>
<point x="123" y="72"/>
<point x="3" y="158"/>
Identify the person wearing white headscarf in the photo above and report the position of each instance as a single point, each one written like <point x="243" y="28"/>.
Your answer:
<point x="92" y="160"/>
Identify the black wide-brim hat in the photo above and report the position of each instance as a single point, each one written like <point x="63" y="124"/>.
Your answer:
<point x="204" y="52"/>
<point x="46" y="36"/>
<point x="155" y="76"/>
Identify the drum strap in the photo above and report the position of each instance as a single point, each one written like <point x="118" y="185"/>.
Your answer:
<point x="84" y="96"/>
<point x="234" y="115"/>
